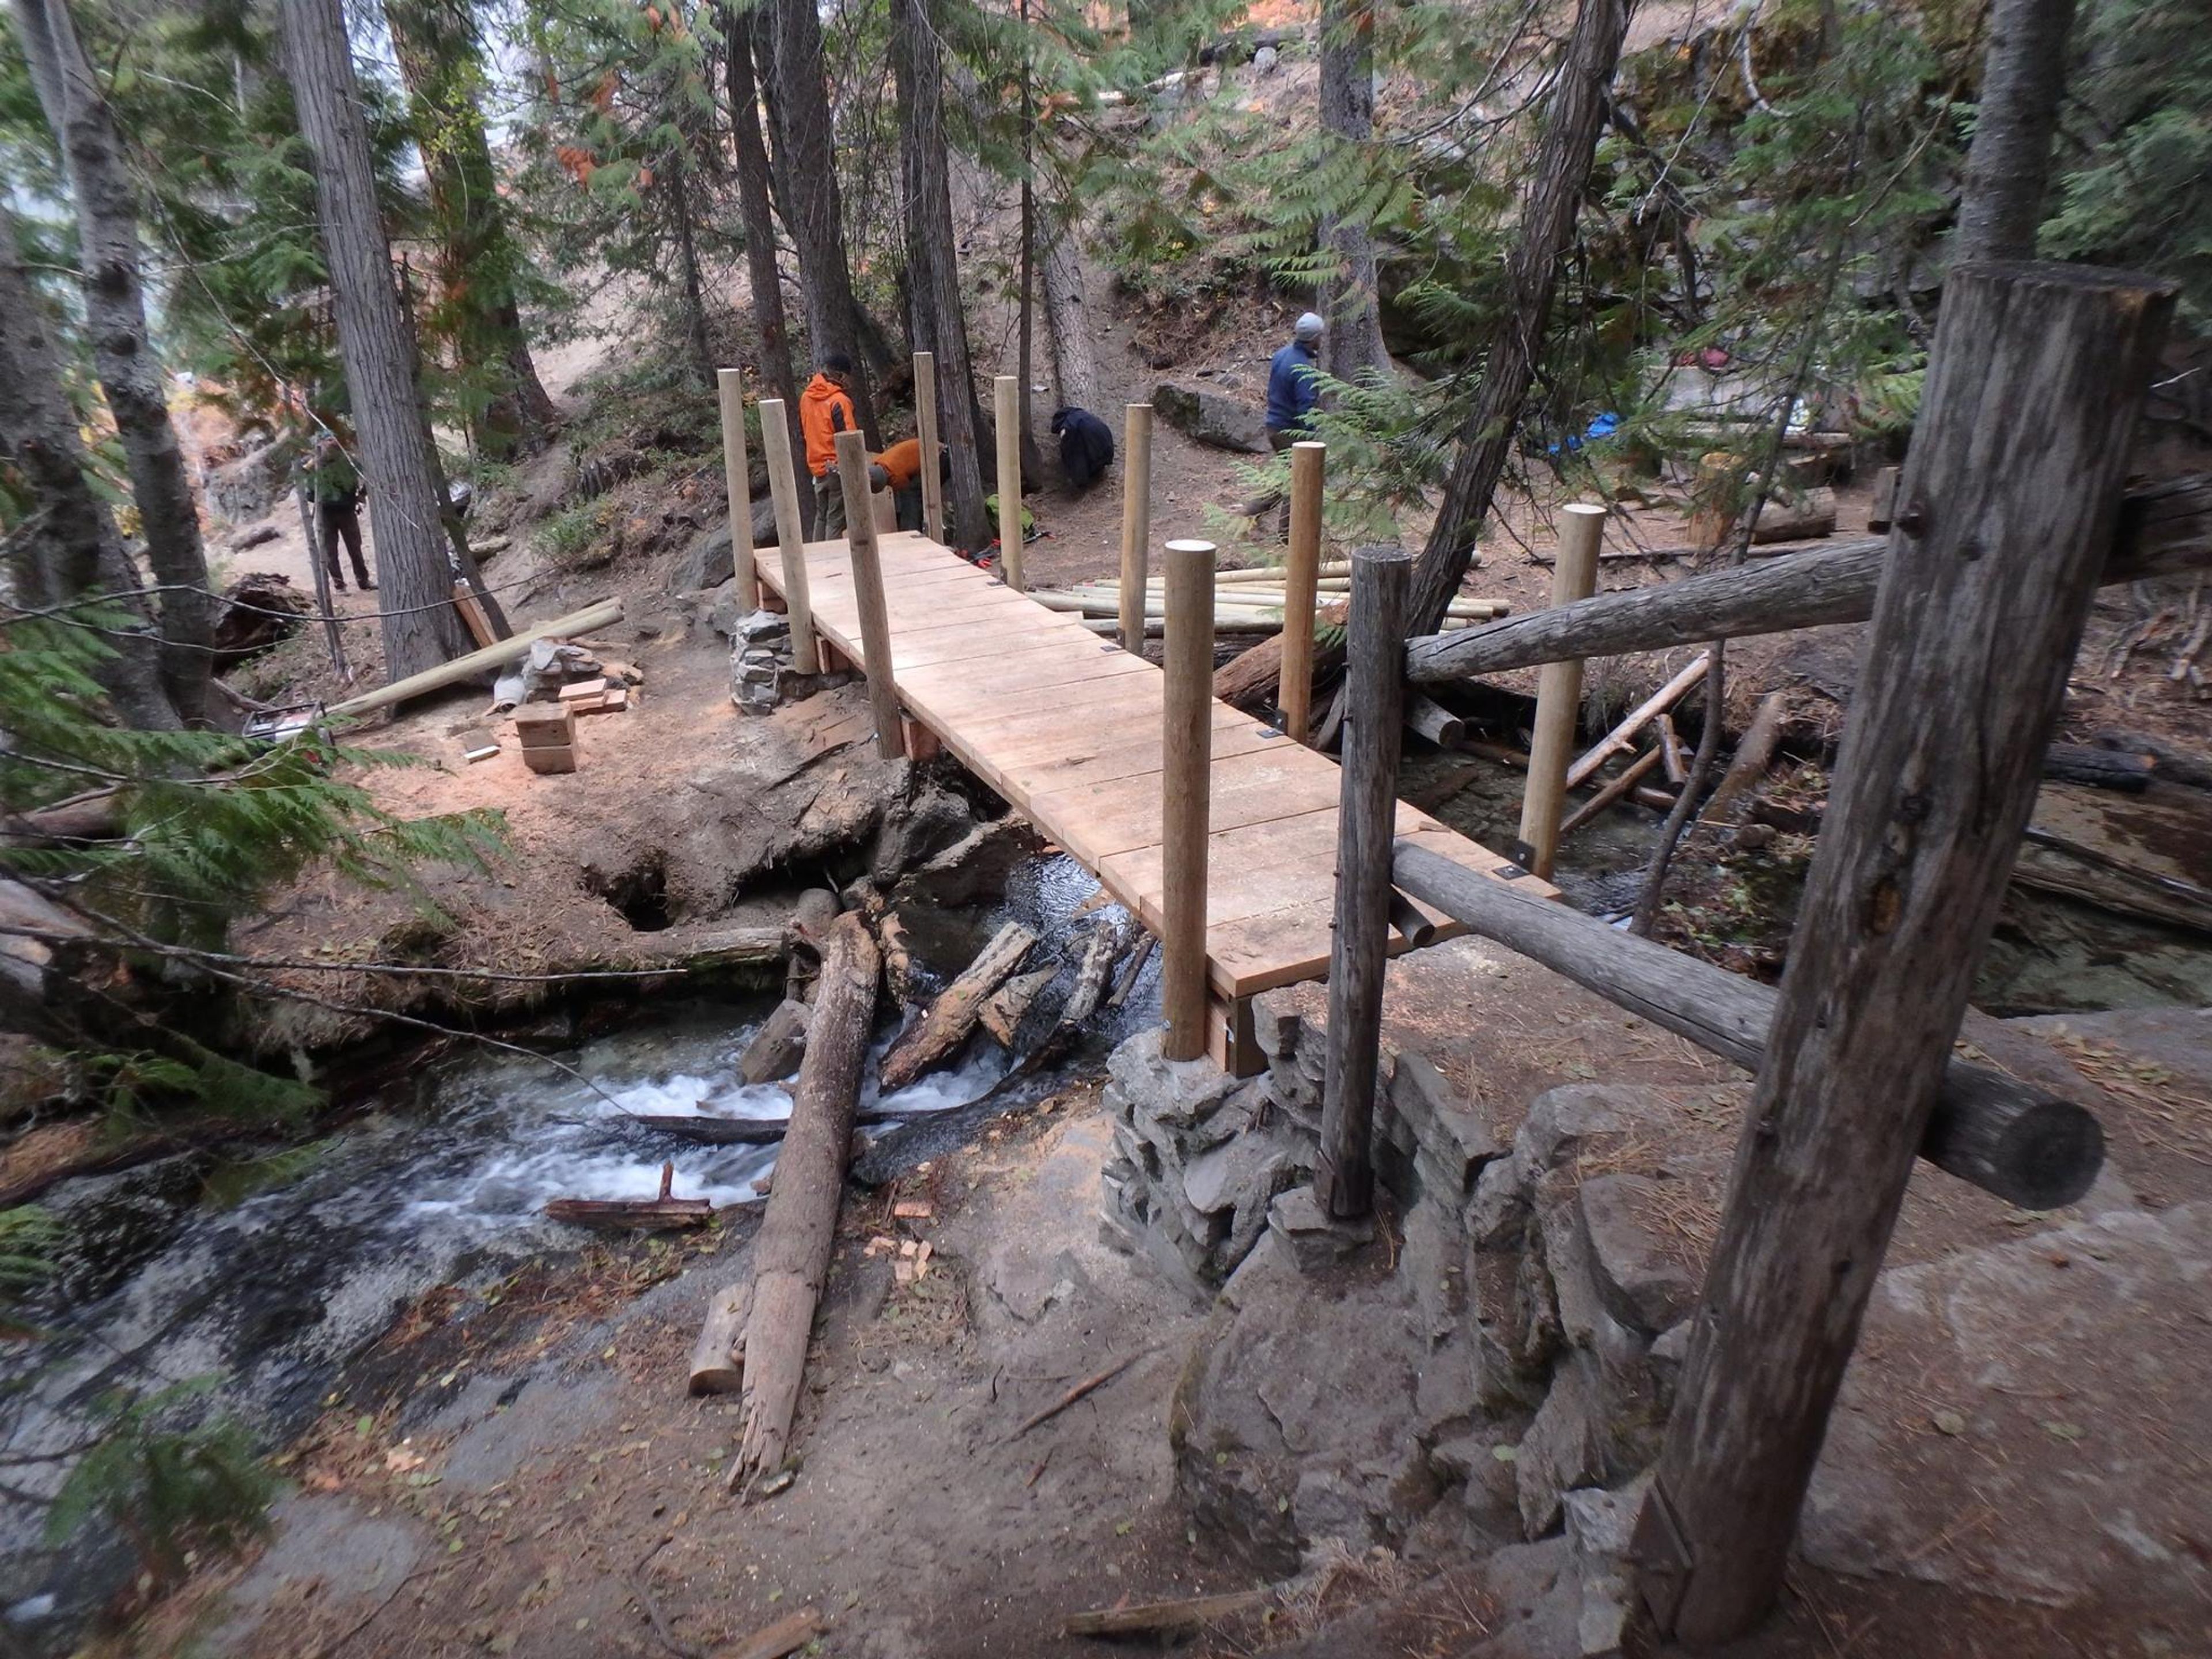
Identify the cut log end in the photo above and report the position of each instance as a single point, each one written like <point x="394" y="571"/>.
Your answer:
<point x="2039" y="1152"/>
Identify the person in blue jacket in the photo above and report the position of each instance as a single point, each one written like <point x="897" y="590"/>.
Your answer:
<point x="1293" y="389"/>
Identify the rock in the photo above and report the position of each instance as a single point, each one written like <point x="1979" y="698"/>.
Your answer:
<point x="1564" y="1448"/>
<point x="975" y="866"/>
<point x="1204" y="417"/>
<point x="1316" y="1240"/>
<point x="1264" y="59"/>
<point x="249" y="486"/>
<point x="1560" y="1120"/>
<point x="934" y="820"/>
<point x="1499" y="1212"/>
<point x="1637" y="1277"/>
<point x="1176" y="1093"/>
<point x="711" y="559"/>
<point x="1666" y="1360"/>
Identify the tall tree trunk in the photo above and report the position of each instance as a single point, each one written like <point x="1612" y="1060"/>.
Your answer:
<point x="65" y="546"/>
<point x="122" y="356"/>
<point x="756" y="210"/>
<point x="479" y="315"/>
<point x="806" y="152"/>
<point x="696" y="342"/>
<point x="2008" y="168"/>
<point x="1067" y="316"/>
<point x="1354" y="340"/>
<point x="1571" y="124"/>
<point x="421" y="629"/>
<point x="932" y="260"/>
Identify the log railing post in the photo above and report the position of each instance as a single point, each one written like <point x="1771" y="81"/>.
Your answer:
<point x="737" y="471"/>
<point x="868" y="595"/>
<point x="1558" y="696"/>
<point x="2007" y="510"/>
<point x="1382" y="580"/>
<point x="925" y="419"/>
<point x="1186" y="757"/>
<point x="790" y="535"/>
<point x="1007" y="406"/>
<point x="1136" y="521"/>
<point x="1301" y="569"/>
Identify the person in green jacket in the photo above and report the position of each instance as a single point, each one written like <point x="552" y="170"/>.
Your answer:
<point x="334" y="486"/>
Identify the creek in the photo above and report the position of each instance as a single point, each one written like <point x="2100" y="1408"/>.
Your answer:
<point x="267" y="1278"/>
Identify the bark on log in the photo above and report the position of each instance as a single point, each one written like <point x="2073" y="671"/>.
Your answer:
<point x="2005" y="525"/>
<point x="2100" y="768"/>
<point x="1004" y="1008"/>
<point x="2164" y="529"/>
<point x="2173" y="765"/>
<point x="1251" y="678"/>
<point x="790" y="1256"/>
<point x="938" y="1034"/>
<point x="1625" y="734"/>
<point x="2024" y="1144"/>
<point x="778" y="1047"/>
<point x="1615" y="788"/>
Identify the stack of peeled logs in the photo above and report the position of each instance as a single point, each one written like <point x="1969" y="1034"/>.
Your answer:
<point x="1244" y="602"/>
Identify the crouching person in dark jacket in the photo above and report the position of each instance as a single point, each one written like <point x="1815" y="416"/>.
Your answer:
<point x="1086" y="446"/>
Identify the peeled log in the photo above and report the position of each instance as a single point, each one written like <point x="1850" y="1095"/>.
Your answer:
<point x="934" y="1038"/>
<point x="1254" y="678"/>
<point x="791" y="1255"/>
<point x="2022" y="1143"/>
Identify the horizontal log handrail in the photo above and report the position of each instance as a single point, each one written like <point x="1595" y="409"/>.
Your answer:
<point x="2164" y="528"/>
<point x="2028" y="1147"/>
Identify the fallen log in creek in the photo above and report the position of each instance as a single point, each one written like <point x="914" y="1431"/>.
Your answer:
<point x="937" y="1035"/>
<point x="2022" y="1143"/>
<point x="2164" y="528"/>
<point x="762" y="1326"/>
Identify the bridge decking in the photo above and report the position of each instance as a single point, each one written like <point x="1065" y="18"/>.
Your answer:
<point x="1066" y="727"/>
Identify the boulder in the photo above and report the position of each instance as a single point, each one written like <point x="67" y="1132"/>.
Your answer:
<point x="1637" y="1276"/>
<point x="249" y="486"/>
<point x="1316" y="1240"/>
<point x="1205" y="416"/>
<point x="711" y="559"/>
<point x="1564" y="1448"/>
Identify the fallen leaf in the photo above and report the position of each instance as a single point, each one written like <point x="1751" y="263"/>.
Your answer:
<point x="1949" y="1423"/>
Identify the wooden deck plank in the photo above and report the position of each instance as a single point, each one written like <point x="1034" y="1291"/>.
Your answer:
<point x="1252" y="786"/>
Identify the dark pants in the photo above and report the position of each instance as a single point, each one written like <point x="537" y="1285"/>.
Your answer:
<point x="829" y="507"/>
<point x="1278" y="439"/>
<point x="343" y="518"/>
<point x="907" y="504"/>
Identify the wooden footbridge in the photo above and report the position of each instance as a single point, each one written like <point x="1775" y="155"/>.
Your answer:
<point x="1069" y="727"/>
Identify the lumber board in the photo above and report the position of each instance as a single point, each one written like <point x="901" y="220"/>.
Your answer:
<point x="1246" y="789"/>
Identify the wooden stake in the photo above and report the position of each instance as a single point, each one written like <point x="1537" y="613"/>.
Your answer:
<point x="1006" y="393"/>
<point x="1382" y="580"/>
<point x="1558" y="696"/>
<point x="1136" y="521"/>
<point x="868" y="594"/>
<point x="925" y="415"/>
<point x="1299" y="573"/>
<point x="737" y="473"/>
<point x="2003" y="525"/>
<point x="790" y="535"/>
<point x="1187" y="760"/>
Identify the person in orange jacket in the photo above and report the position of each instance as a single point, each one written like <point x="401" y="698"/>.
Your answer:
<point x="900" y="467"/>
<point x="826" y="409"/>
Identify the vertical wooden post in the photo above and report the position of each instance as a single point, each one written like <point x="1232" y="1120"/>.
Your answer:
<point x="1558" y="696"/>
<point x="925" y="415"/>
<point x="1300" y="571"/>
<point x="1375" y="666"/>
<point x="868" y="594"/>
<point x="2007" y="510"/>
<point x="1007" y="405"/>
<point x="790" y="535"/>
<point x="736" y="473"/>
<point x="1136" y="521"/>
<point x="1187" y="759"/>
